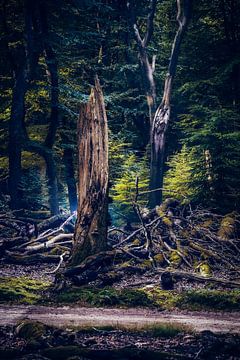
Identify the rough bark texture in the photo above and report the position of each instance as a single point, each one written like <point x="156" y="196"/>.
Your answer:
<point x="162" y="115"/>
<point x="91" y="226"/>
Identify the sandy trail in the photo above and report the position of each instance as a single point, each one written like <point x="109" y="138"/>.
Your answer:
<point x="130" y="318"/>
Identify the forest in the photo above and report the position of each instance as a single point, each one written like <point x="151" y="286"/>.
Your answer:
<point x="119" y="179"/>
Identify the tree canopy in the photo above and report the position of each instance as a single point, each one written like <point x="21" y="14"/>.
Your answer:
<point x="51" y="52"/>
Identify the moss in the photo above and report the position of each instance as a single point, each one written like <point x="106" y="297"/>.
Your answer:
<point x="175" y="258"/>
<point x="205" y="270"/>
<point x="30" y="330"/>
<point x="153" y="297"/>
<point x="167" y="221"/>
<point x="146" y="264"/>
<point x="22" y="289"/>
<point x="104" y="297"/>
<point x="125" y="265"/>
<point x="205" y="299"/>
<point x="210" y="300"/>
<point x="167" y="330"/>
<point x="161" y="298"/>
<point x="227" y="227"/>
<point x="136" y="242"/>
<point x="159" y="259"/>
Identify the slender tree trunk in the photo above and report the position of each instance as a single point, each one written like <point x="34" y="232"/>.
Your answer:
<point x="70" y="178"/>
<point x="15" y="134"/>
<point x="162" y="115"/>
<point x="16" y="58"/>
<point x="52" y="73"/>
<point x="91" y="226"/>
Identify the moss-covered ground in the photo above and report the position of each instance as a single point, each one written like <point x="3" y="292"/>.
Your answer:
<point x="22" y="290"/>
<point x="31" y="291"/>
<point x="155" y="297"/>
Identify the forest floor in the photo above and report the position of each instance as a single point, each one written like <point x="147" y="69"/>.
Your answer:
<point x="114" y="323"/>
<point x="132" y="318"/>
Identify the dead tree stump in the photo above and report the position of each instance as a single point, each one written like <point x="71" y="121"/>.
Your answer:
<point x="91" y="226"/>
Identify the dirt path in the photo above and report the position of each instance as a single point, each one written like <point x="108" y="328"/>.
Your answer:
<point x="130" y="318"/>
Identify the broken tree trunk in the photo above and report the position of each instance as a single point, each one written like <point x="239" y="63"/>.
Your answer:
<point x="91" y="226"/>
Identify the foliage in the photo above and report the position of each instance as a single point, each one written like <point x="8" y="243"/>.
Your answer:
<point x="90" y="37"/>
<point x="184" y="179"/>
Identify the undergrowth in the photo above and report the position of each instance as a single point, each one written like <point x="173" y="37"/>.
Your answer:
<point x="31" y="291"/>
<point x="21" y="289"/>
<point x="155" y="297"/>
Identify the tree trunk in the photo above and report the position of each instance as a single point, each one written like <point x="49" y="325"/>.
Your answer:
<point x="91" y="226"/>
<point x="15" y="134"/>
<point x="70" y="178"/>
<point x="51" y="170"/>
<point x="146" y="67"/>
<point x="162" y="115"/>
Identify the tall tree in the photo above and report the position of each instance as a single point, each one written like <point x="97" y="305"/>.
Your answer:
<point x="24" y="71"/>
<point x="159" y="117"/>
<point x="162" y="115"/>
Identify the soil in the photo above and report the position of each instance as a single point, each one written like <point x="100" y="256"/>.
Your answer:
<point x="130" y="318"/>
<point x="59" y="344"/>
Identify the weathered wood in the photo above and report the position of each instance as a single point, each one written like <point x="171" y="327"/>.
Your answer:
<point x="91" y="226"/>
<point x="48" y="243"/>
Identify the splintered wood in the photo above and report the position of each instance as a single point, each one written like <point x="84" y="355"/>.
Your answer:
<point x="91" y="227"/>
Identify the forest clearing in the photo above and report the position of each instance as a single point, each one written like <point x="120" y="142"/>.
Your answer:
<point x="119" y="179"/>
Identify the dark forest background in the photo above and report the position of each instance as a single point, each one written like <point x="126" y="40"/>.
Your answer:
<point x="50" y="53"/>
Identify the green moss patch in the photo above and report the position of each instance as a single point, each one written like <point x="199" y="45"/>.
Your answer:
<point x="210" y="299"/>
<point x="21" y="290"/>
<point x="155" y="297"/>
<point x="104" y="297"/>
<point x="30" y="330"/>
<point x="196" y="299"/>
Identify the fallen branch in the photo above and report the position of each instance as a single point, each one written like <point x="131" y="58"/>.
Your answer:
<point x="48" y="243"/>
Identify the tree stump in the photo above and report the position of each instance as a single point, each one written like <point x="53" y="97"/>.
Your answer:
<point x="167" y="281"/>
<point x="92" y="215"/>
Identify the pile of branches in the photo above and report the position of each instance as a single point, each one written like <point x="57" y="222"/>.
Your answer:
<point x="173" y="237"/>
<point x="28" y="241"/>
<point x="189" y="243"/>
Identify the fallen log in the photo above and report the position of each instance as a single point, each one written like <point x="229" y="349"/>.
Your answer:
<point x="178" y="275"/>
<point x="52" y="222"/>
<point x="21" y="259"/>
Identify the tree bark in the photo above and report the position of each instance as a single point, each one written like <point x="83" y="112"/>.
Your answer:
<point x="70" y="178"/>
<point x="15" y="134"/>
<point x="91" y="226"/>
<point x="147" y="67"/>
<point x="162" y="115"/>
